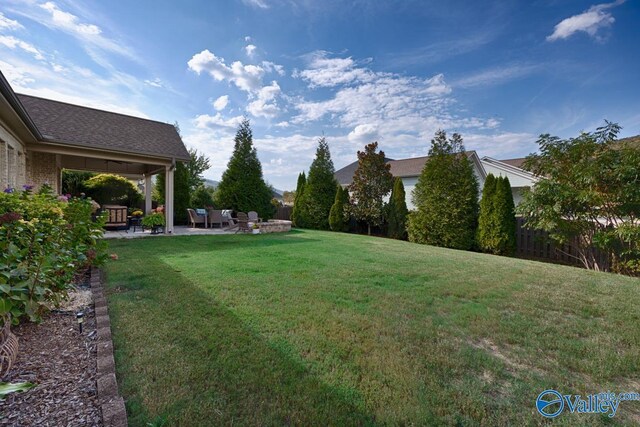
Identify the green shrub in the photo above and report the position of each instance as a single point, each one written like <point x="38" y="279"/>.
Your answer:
<point x="446" y="197"/>
<point x="314" y="203"/>
<point x="108" y="188"/>
<point x="44" y="241"/>
<point x="397" y="212"/>
<point x="486" y="234"/>
<point x="338" y="219"/>
<point x="505" y="218"/>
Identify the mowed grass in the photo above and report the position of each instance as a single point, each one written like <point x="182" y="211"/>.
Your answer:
<point x="320" y="328"/>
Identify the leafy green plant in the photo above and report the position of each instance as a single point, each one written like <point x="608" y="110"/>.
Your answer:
<point x="44" y="240"/>
<point x="7" y="388"/>
<point x="588" y="195"/>
<point x="372" y="181"/>
<point x="108" y="188"/>
<point x="153" y="220"/>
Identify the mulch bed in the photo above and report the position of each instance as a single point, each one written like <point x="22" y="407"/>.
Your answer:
<point x="62" y="364"/>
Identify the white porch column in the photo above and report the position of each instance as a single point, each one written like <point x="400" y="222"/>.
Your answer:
<point x="168" y="200"/>
<point x="147" y="194"/>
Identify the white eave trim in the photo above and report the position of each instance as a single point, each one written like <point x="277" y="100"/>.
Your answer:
<point x="508" y="168"/>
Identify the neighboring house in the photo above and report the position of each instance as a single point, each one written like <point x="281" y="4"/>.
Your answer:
<point x="512" y="169"/>
<point x="40" y="137"/>
<point x="410" y="169"/>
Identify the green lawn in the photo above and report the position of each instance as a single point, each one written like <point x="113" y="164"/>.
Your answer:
<point x="319" y="328"/>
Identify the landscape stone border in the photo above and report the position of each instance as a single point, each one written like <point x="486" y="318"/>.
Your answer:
<point x="114" y="413"/>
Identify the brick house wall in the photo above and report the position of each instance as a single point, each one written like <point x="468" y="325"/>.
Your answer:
<point x="13" y="155"/>
<point x="42" y="168"/>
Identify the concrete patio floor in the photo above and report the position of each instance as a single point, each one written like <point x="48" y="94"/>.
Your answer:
<point x="178" y="230"/>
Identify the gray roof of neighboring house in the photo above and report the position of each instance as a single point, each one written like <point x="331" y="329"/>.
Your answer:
<point x="344" y="176"/>
<point x="514" y="162"/>
<point x="399" y="168"/>
<point x="88" y="127"/>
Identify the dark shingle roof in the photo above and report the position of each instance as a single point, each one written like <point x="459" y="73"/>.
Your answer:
<point x="87" y="127"/>
<point x="514" y="162"/>
<point x="345" y="175"/>
<point x="399" y="168"/>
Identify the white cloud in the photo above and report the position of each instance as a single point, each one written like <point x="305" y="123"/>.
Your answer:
<point x="247" y="38"/>
<point x="496" y="75"/>
<point x="69" y="21"/>
<point x="77" y="85"/>
<point x="502" y="145"/>
<point x="155" y="82"/>
<point x="590" y="22"/>
<point x="91" y="36"/>
<point x="265" y="105"/>
<point x="221" y="103"/>
<point x="271" y="67"/>
<point x="262" y="4"/>
<point x="204" y="121"/>
<point x="323" y="71"/>
<point x="13" y="43"/>
<point x="250" y="49"/>
<point x="9" y="24"/>
<point x="245" y="77"/>
<point x="364" y="134"/>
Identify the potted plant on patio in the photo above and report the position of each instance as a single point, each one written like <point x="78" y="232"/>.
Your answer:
<point x="255" y="228"/>
<point x="154" y="221"/>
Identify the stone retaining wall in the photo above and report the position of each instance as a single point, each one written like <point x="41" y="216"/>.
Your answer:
<point x="275" y="226"/>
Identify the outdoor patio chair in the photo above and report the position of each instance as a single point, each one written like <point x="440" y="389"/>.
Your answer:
<point x="243" y="222"/>
<point x="194" y="218"/>
<point x="215" y="217"/>
<point x="253" y="216"/>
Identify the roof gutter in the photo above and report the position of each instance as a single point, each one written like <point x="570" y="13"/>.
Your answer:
<point x="12" y="99"/>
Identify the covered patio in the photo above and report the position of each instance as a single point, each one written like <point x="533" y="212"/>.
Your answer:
<point x="86" y="139"/>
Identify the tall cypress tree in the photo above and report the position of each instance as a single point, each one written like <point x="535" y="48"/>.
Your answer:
<point x="446" y="196"/>
<point x="398" y="211"/>
<point x="319" y="192"/>
<point x="295" y="214"/>
<point x="486" y="235"/>
<point x="337" y="215"/>
<point x="242" y="187"/>
<point x="505" y="218"/>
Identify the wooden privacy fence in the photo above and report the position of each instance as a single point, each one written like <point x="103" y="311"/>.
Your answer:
<point x="536" y="244"/>
<point x="284" y="212"/>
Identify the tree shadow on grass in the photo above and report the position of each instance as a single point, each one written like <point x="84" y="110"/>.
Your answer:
<point x="182" y="355"/>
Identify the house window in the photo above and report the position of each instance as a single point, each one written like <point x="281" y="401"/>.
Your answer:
<point x="11" y="167"/>
<point x="3" y="164"/>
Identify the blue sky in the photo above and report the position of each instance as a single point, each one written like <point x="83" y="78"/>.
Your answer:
<point x="500" y="73"/>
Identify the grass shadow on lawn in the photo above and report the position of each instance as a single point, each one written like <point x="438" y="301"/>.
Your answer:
<point x="208" y="367"/>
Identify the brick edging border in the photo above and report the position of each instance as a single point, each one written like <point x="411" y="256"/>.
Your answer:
<point x="114" y="413"/>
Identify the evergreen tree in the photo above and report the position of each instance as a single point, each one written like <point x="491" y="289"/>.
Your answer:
<point x="337" y="217"/>
<point x="242" y="187"/>
<point x="397" y="228"/>
<point x="295" y="214"/>
<point x="372" y="181"/>
<point x="319" y="192"/>
<point x="505" y="218"/>
<point x="446" y="196"/>
<point x="486" y="235"/>
<point x="181" y="193"/>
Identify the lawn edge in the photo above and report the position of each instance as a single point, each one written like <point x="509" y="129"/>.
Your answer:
<point x="114" y="413"/>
